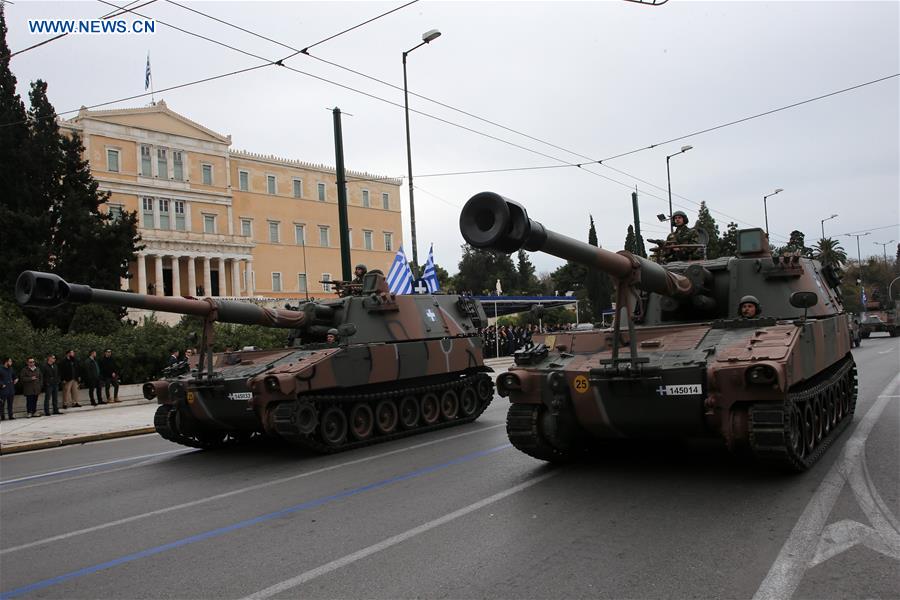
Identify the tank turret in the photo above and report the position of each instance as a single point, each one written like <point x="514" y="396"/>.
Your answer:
<point x="778" y="380"/>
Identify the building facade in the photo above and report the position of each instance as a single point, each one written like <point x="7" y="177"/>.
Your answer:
<point x="222" y="222"/>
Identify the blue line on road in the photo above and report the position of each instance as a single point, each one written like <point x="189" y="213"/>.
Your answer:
<point x="243" y="524"/>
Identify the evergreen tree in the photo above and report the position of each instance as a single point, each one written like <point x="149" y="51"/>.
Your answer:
<point x="598" y="284"/>
<point x="528" y="282"/>
<point x="480" y="269"/>
<point x="728" y="242"/>
<point x="631" y="240"/>
<point x="706" y="222"/>
<point x="798" y="242"/>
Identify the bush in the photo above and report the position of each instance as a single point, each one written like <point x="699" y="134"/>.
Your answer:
<point x="94" y="318"/>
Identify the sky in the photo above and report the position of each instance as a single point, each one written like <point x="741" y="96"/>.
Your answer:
<point x="594" y="79"/>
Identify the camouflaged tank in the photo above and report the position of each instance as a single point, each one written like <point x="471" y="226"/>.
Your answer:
<point x="400" y="365"/>
<point x="679" y="361"/>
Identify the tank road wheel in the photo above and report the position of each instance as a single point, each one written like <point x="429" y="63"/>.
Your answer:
<point x="333" y="427"/>
<point x="818" y="425"/>
<point x="409" y="412"/>
<point x="362" y="421"/>
<point x="485" y="389"/>
<point x="831" y="398"/>
<point x="386" y="417"/>
<point x="449" y="405"/>
<point x="798" y="445"/>
<point x="431" y="408"/>
<point x="809" y="428"/>
<point x="530" y="430"/>
<point x="468" y="401"/>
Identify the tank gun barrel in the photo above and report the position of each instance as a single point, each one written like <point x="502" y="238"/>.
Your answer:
<point x="489" y="220"/>
<point x="48" y="290"/>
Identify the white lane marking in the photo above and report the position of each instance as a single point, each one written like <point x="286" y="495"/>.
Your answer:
<point x="810" y="539"/>
<point x="392" y="541"/>
<point x="887" y="351"/>
<point x="243" y="490"/>
<point x="92" y="466"/>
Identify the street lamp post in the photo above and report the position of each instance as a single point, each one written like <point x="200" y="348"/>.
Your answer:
<point x="427" y="37"/>
<point x="669" y="177"/>
<point x="858" y="254"/>
<point x="823" y="224"/>
<point x="884" y="246"/>
<point x="766" y="210"/>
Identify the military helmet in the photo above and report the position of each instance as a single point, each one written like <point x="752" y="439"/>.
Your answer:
<point x="680" y="213"/>
<point x="751" y="300"/>
<point x="333" y="332"/>
<point x="361" y="266"/>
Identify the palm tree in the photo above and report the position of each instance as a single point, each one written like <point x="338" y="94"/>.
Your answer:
<point x="828" y="251"/>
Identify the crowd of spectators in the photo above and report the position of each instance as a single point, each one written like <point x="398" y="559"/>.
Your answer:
<point x="506" y="339"/>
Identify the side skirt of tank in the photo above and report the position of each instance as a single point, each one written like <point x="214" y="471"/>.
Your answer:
<point x="168" y="424"/>
<point x="328" y="423"/>
<point x="795" y="434"/>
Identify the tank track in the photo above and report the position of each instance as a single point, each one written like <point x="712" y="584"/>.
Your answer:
<point x="285" y="427"/>
<point x="523" y="426"/>
<point x="165" y="421"/>
<point x="796" y="434"/>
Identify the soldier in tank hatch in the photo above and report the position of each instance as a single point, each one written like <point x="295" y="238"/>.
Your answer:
<point x="749" y="307"/>
<point x="332" y="337"/>
<point x="358" y="273"/>
<point x="682" y="235"/>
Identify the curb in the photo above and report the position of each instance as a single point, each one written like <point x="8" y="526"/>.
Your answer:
<point x="75" y="439"/>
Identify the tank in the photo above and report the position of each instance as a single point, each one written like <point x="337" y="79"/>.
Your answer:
<point x="679" y="361"/>
<point x="398" y="365"/>
<point x="879" y="316"/>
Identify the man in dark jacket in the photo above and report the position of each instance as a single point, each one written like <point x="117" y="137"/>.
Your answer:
<point x="68" y="373"/>
<point x="109" y="375"/>
<point x="32" y="385"/>
<point x="8" y="381"/>
<point x="91" y="378"/>
<point x="50" y="373"/>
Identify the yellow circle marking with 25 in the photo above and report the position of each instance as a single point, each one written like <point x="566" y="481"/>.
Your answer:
<point x="581" y="384"/>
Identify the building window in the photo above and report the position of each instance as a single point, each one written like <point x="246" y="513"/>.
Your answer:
<point x="147" y="206"/>
<point x="273" y="232"/>
<point x="388" y="241"/>
<point x="350" y="237"/>
<point x="301" y="282"/>
<point x="244" y="181"/>
<point x="298" y="188"/>
<point x="300" y="234"/>
<point x="209" y="223"/>
<point x="146" y="167"/>
<point x="164" y="214"/>
<point x="367" y="240"/>
<point x="112" y="160"/>
<point x="207" y="175"/>
<point x="179" y="215"/>
<point x="270" y="184"/>
<point x="365" y="199"/>
<point x="115" y="211"/>
<point x="321" y="187"/>
<point x="162" y="163"/>
<point x="178" y="165"/>
<point x="324" y="236"/>
<point x="326" y="277"/>
<point x="246" y="227"/>
<point x="276" y="282"/>
<point x="385" y="201"/>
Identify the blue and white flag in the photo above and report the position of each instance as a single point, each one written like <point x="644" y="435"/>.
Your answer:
<point x="864" y="299"/>
<point x="147" y="74"/>
<point x="430" y="276"/>
<point x="400" y="279"/>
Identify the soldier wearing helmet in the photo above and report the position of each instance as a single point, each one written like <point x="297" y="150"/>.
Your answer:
<point x="682" y="235"/>
<point x="749" y="307"/>
<point x="332" y="337"/>
<point x="359" y="272"/>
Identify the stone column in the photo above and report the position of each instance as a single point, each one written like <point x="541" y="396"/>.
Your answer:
<point x="160" y="291"/>
<point x="235" y="277"/>
<point x="207" y="278"/>
<point x="141" y="274"/>
<point x="176" y="276"/>
<point x="192" y="276"/>
<point x="223" y="287"/>
<point x="250" y="286"/>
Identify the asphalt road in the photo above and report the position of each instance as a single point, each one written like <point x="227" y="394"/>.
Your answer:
<point x="459" y="514"/>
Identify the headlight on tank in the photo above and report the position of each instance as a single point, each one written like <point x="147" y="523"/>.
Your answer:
<point x="149" y="391"/>
<point x="761" y="375"/>
<point x="272" y="384"/>
<point x="507" y="382"/>
<point x="176" y="390"/>
<point x="557" y="382"/>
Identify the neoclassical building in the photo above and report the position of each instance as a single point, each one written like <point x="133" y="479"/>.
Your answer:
<point x="223" y="222"/>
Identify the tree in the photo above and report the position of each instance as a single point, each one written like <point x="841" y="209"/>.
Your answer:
<point x="706" y="222"/>
<point x="829" y="252"/>
<point x="480" y="269"/>
<point x="444" y="279"/>
<point x="728" y="241"/>
<point x="797" y="242"/>
<point x="631" y="240"/>
<point x="598" y="284"/>
<point x="528" y="281"/>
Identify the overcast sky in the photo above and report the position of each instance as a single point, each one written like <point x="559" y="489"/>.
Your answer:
<point x="594" y="78"/>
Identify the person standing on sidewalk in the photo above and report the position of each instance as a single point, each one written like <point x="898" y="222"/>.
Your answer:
<point x="8" y="382"/>
<point x="68" y="373"/>
<point x="91" y="378"/>
<point x="30" y="376"/>
<point x="109" y="375"/>
<point x="50" y="373"/>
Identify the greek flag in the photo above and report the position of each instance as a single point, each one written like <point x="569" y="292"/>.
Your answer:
<point x="430" y="277"/>
<point x="400" y="280"/>
<point x="147" y="74"/>
<point x="864" y="299"/>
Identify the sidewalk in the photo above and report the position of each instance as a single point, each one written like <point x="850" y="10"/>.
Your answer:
<point x="132" y="416"/>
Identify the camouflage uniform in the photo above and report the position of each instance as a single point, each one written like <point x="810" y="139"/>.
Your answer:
<point x="683" y="235"/>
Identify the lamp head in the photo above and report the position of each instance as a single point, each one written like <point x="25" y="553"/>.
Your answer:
<point x="430" y="35"/>
<point x="777" y="190"/>
<point x="686" y="148"/>
<point x="662" y="217"/>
